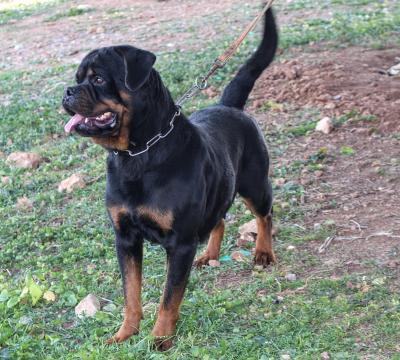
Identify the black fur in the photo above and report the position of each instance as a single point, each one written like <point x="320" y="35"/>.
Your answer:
<point x="195" y="172"/>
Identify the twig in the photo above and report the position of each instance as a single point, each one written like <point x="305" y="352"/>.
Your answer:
<point x="325" y="245"/>
<point x="358" y="225"/>
<point x="382" y="233"/>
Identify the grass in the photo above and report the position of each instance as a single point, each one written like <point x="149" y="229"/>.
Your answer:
<point x="65" y="243"/>
<point x="12" y="10"/>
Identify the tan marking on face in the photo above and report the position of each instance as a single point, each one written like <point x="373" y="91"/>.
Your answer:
<point x="120" y="141"/>
<point x="163" y="219"/>
<point x="125" y="96"/>
<point x="133" y="312"/>
<point x="116" y="212"/>
<point x="89" y="72"/>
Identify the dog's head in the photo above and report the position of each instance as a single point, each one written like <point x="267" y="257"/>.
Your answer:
<point x="108" y="80"/>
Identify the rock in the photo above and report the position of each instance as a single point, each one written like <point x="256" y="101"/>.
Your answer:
<point x="248" y="233"/>
<point x="290" y="277"/>
<point x="88" y="306"/>
<point x="238" y="256"/>
<point x="325" y="356"/>
<point x="330" y="106"/>
<point x="23" y="203"/>
<point x="5" y="180"/>
<point x="394" y="70"/>
<point x="75" y="181"/>
<point x="24" y="160"/>
<point x="291" y="248"/>
<point x="249" y="227"/>
<point x="245" y="239"/>
<point x="280" y="181"/>
<point x="214" y="263"/>
<point x="325" y="125"/>
<point x="318" y="173"/>
<point x="285" y="357"/>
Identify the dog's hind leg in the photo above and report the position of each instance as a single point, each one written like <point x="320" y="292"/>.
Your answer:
<point x="179" y="260"/>
<point x="260" y="204"/>
<point x="214" y="245"/>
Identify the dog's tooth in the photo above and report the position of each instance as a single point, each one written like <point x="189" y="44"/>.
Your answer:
<point x="86" y="120"/>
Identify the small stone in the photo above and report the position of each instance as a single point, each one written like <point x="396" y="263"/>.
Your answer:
<point x="24" y="160"/>
<point x="330" y="106"/>
<point x="5" y="180"/>
<point x="238" y="256"/>
<point x="49" y="296"/>
<point x="278" y="299"/>
<point x="317" y="226"/>
<point x="318" y="173"/>
<point x="214" y="263"/>
<point x="290" y="277"/>
<point x="291" y="248"/>
<point x="280" y="181"/>
<point x="88" y="306"/>
<point x="285" y="357"/>
<point x="325" y="356"/>
<point x="245" y="239"/>
<point x="249" y="227"/>
<point x="23" y="203"/>
<point x="325" y="125"/>
<point x="75" y="181"/>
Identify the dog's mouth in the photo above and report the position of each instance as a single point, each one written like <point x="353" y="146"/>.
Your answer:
<point x="92" y="125"/>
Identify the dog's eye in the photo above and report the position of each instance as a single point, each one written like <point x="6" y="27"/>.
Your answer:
<point x="98" y="80"/>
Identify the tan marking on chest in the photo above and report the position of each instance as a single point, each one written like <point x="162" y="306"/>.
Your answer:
<point x="116" y="212"/>
<point x="163" y="218"/>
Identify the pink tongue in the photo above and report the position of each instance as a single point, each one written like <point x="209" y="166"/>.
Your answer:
<point x="71" y="124"/>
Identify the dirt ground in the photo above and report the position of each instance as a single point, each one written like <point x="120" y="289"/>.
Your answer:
<point x="363" y="187"/>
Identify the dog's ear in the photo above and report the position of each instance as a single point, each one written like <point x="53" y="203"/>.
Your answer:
<point x="138" y="64"/>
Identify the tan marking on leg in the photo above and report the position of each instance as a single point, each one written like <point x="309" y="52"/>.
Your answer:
<point x="264" y="254"/>
<point x="214" y="245"/>
<point x="133" y="312"/>
<point x="115" y="213"/>
<point x="168" y="316"/>
<point x="164" y="219"/>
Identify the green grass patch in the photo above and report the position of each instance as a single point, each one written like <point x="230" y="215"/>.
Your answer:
<point x="11" y="10"/>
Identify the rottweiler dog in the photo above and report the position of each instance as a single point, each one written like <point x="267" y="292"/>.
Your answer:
<point x="171" y="179"/>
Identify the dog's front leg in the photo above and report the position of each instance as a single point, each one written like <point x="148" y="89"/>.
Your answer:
<point x="179" y="263"/>
<point x="130" y="254"/>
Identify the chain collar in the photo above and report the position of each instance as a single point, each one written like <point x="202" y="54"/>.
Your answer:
<point x="155" y="139"/>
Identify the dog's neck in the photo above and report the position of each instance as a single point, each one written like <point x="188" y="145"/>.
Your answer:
<point x="153" y="109"/>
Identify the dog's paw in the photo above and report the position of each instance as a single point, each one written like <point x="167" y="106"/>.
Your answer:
<point x="202" y="261"/>
<point x="122" y="335"/>
<point x="264" y="258"/>
<point x="163" y="343"/>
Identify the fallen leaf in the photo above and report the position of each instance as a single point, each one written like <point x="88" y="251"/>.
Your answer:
<point x="49" y="296"/>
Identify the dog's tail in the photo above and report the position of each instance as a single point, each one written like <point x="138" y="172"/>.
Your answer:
<point x="238" y="90"/>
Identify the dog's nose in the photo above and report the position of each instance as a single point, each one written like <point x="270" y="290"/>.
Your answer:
<point x="69" y="91"/>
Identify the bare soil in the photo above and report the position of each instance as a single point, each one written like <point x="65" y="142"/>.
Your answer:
<point x="338" y="81"/>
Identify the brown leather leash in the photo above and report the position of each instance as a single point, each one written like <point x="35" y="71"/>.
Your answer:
<point x="221" y="60"/>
